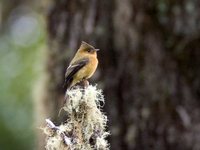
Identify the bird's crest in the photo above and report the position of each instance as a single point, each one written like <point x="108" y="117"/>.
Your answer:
<point x="85" y="46"/>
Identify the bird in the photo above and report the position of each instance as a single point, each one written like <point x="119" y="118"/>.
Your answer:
<point x="82" y="66"/>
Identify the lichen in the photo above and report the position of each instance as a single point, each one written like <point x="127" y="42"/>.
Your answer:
<point x="85" y="128"/>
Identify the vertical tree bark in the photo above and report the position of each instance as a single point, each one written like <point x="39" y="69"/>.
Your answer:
<point x="149" y="67"/>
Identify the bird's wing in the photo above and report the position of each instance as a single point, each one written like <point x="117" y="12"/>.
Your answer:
<point x="73" y="69"/>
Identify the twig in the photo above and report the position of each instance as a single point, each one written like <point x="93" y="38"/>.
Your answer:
<point x="66" y="139"/>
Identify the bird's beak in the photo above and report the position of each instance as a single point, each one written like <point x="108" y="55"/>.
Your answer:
<point x="96" y="50"/>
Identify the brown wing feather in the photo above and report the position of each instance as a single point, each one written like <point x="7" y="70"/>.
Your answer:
<point x="72" y="70"/>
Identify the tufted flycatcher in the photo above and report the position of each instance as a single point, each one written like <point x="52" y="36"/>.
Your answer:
<point x="82" y="66"/>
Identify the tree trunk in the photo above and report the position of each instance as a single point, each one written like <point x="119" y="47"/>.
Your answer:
<point x="149" y="67"/>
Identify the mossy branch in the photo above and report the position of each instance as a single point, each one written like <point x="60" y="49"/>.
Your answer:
<point x="85" y="128"/>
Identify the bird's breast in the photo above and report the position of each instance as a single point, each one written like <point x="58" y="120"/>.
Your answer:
<point x="88" y="70"/>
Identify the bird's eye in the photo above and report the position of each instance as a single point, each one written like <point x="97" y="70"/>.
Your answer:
<point x="89" y="50"/>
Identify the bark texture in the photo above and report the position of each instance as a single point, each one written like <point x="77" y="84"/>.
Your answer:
<point x="149" y="66"/>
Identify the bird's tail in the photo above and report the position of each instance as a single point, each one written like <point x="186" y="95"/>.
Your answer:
<point x="67" y="84"/>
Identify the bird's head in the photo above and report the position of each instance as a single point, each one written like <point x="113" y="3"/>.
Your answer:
<point x="87" y="49"/>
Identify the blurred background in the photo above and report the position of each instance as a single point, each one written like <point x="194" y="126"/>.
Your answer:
<point x="22" y="38"/>
<point x="149" y="69"/>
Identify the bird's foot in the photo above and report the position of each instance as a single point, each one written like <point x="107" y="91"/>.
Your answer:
<point x="84" y="83"/>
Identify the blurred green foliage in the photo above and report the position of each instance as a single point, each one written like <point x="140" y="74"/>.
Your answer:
<point x="21" y="43"/>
